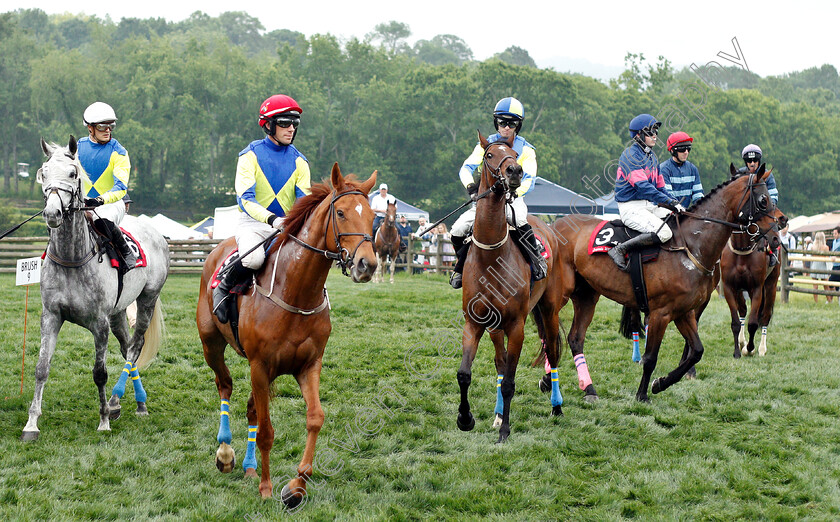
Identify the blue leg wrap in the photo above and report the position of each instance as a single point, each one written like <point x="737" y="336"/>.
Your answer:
<point x="636" y="355"/>
<point x="556" y="397"/>
<point x="139" y="392"/>
<point x="224" y="424"/>
<point x="500" y="403"/>
<point x="119" y="388"/>
<point x="250" y="461"/>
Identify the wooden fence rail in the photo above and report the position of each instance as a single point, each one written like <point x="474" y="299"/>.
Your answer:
<point x="188" y="255"/>
<point x="795" y="278"/>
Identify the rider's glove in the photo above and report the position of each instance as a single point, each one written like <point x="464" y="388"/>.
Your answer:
<point x="276" y="222"/>
<point x="680" y="208"/>
<point x="472" y="190"/>
<point x="94" y="202"/>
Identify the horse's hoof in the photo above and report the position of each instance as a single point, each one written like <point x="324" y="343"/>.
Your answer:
<point x="251" y="473"/>
<point x="29" y="436"/>
<point x="690" y="376"/>
<point x="642" y="398"/>
<point x="468" y="424"/>
<point x="141" y="409"/>
<point x="590" y="398"/>
<point x="503" y="437"/>
<point x="544" y="383"/>
<point x="557" y="411"/>
<point x="744" y="351"/>
<point x="115" y="413"/>
<point x="497" y="422"/>
<point x="657" y="385"/>
<point x="225" y="458"/>
<point x="290" y="499"/>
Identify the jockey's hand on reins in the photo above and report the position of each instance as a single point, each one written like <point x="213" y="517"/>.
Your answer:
<point x="94" y="202"/>
<point x="472" y="190"/>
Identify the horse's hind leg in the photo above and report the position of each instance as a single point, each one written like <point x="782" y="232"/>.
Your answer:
<point x="50" y="325"/>
<point x="551" y="332"/>
<point x="731" y="301"/>
<point x="471" y="336"/>
<point x="309" y="381"/>
<point x="756" y="303"/>
<point x="687" y="325"/>
<point x="769" y="302"/>
<point x="515" y="337"/>
<point x="584" y="304"/>
<point x="131" y="349"/>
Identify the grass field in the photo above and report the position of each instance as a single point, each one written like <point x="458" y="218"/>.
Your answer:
<point x="755" y="438"/>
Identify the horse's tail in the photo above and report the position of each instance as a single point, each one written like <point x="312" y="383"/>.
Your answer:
<point x="153" y="337"/>
<point x="538" y="320"/>
<point x="631" y="321"/>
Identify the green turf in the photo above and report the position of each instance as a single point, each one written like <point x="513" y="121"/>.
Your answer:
<point x="755" y="438"/>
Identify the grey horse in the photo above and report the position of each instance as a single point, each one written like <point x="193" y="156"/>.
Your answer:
<point x="79" y="285"/>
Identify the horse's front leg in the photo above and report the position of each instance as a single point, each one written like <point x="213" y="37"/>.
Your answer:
<point x="515" y="336"/>
<point x="309" y="381"/>
<point x="100" y="331"/>
<point x="756" y="303"/>
<point x="265" y="431"/>
<point x="500" y="359"/>
<point x="656" y="330"/>
<point x="469" y="343"/>
<point x="377" y="275"/>
<point x="584" y="306"/>
<point x="393" y="265"/>
<point x="687" y="325"/>
<point x="767" y="312"/>
<point x="50" y="325"/>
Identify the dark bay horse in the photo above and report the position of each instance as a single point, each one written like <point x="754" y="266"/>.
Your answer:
<point x="497" y="295"/>
<point x="284" y="322"/>
<point x="678" y="283"/>
<point x="79" y="285"/>
<point x="744" y="267"/>
<point x="387" y="242"/>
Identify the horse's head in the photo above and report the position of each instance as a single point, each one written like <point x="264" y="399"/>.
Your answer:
<point x="60" y="179"/>
<point x="500" y="169"/>
<point x="755" y="209"/>
<point x="391" y="214"/>
<point x="352" y="219"/>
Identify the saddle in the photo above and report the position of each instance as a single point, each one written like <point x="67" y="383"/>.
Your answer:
<point x="610" y="233"/>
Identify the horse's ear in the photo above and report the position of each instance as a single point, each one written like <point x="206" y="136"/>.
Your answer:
<point x="39" y="177"/>
<point x="336" y="178"/>
<point x="761" y="172"/>
<point x="482" y="140"/>
<point x="733" y="173"/>
<point x="368" y="185"/>
<point x="48" y="150"/>
<point x="72" y="145"/>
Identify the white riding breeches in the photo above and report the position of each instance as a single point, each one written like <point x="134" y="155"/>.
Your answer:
<point x="249" y="233"/>
<point x="463" y="224"/>
<point x="113" y="212"/>
<point x="644" y="216"/>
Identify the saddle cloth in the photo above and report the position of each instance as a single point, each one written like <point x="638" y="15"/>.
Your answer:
<point x="134" y="245"/>
<point x="608" y="234"/>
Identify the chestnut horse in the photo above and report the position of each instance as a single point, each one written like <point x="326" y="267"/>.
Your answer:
<point x="678" y="283"/>
<point x="497" y="294"/>
<point x="387" y="242"/>
<point x="744" y="267"/>
<point x="284" y="323"/>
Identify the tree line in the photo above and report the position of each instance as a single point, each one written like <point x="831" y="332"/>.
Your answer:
<point x="187" y="96"/>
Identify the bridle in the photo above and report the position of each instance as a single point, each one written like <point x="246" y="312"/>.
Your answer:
<point x="501" y="186"/>
<point x="343" y="257"/>
<point x="749" y="213"/>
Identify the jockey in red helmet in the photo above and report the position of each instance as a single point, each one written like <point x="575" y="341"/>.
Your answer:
<point x="682" y="179"/>
<point x="270" y="175"/>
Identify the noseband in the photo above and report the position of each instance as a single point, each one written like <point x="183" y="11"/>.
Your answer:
<point x="502" y="184"/>
<point x="343" y="257"/>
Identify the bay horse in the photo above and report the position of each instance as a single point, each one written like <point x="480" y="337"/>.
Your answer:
<point x="744" y="267"/>
<point x="284" y="323"/>
<point x="387" y="242"/>
<point x="678" y="283"/>
<point x="78" y="284"/>
<point x="497" y="294"/>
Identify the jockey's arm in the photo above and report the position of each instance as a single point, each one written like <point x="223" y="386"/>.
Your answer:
<point x="470" y="164"/>
<point x="303" y="183"/>
<point x="528" y="161"/>
<point x="246" y="187"/>
<point x="121" y="171"/>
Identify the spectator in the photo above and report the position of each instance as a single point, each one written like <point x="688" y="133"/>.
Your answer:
<point x="788" y="240"/>
<point x="425" y="240"/>
<point x="404" y="228"/>
<point x="820" y="246"/>
<point x="835" y="247"/>
<point x="448" y="250"/>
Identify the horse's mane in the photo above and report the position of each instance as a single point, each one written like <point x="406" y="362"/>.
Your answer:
<point x="710" y="194"/>
<point x="304" y="206"/>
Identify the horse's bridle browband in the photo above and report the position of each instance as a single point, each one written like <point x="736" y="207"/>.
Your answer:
<point x="343" y="257"/>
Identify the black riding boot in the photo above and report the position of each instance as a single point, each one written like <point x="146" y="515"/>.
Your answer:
<point x="461" y="250"/>
<point x="236" y="274"/>
<point x="618" y="252"/>
<point x="529" y="246"/>
<point x="118" y="240"/>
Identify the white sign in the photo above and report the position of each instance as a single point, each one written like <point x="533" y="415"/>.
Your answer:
<point x="28" y="271"/>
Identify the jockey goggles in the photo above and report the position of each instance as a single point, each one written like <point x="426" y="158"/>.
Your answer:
<point x="682" y="148"/>
<point x="102" y="127"/>
<point x="506" y="122"/>
<point x="647" y="131"/>
<point x="285" y="122"/>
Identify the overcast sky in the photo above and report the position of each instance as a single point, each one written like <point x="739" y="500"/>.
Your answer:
<point x="563" y="35"/>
